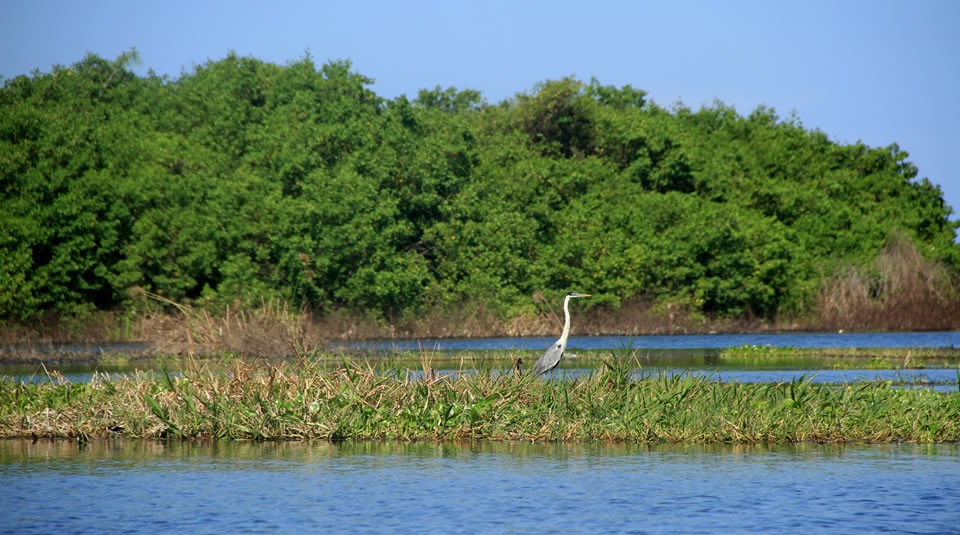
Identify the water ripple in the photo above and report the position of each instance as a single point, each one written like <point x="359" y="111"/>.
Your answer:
<point x="478" y="488"/>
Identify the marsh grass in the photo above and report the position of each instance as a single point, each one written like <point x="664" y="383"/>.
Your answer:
<point x="237" y="399"/>
<point x="873" y="358"/>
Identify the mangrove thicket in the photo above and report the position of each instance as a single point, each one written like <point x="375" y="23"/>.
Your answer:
<point x="243" y="180"/>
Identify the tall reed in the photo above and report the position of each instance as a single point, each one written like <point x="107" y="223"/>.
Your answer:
<point x="270" y="327"/>
<point x="900" y="290"/>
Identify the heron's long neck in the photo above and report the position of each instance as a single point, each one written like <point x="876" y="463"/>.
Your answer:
<point x="566" y="322"/>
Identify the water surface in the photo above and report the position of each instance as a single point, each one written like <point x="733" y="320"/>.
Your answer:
<point x="485" y="487"/>
<point x="690" y="341"/>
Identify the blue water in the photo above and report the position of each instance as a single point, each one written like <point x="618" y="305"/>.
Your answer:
<point x="699" y="341"/>
<point x="941" y="379"/>
<point x="378" y="487"/>
<point x="938" y="379"/>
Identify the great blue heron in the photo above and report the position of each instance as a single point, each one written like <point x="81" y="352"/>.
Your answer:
<point x="551" y="357"/>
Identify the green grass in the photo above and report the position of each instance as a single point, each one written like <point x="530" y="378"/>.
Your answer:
<point x="311" y="400"/>
<point x="882" y="358"/>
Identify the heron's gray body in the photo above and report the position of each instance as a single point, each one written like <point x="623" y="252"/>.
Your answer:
<point x="551" y="357"/>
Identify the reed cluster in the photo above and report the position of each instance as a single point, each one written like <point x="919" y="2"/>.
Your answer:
<point x="899" y="290"/>
<point x="308" y="400"/>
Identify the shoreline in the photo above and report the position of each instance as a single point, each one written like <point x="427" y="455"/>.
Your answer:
<point x="132" y="353"/>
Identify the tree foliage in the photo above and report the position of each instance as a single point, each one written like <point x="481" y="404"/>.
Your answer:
<point x="244" y="179"/>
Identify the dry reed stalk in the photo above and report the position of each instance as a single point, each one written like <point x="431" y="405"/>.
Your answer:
<point x="900" y="290"/>
<point x="270" y="328"/>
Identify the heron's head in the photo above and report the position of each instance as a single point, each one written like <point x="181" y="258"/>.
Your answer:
<point x="575" y="294"/>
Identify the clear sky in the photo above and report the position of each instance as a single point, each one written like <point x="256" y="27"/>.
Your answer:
<point x="878" y="71"/>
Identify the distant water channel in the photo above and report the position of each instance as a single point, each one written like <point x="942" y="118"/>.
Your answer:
<point x="484" y="487"/>
<point x="690" y="354"/>
<point x="693" y="341"/>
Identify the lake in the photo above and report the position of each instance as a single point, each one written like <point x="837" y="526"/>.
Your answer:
<point x="486" y="487"/>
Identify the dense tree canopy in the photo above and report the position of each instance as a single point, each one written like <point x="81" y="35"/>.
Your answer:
<point x="244" y="179"/>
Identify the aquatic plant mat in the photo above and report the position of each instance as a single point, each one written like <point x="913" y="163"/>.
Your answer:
<point x="308" y="399"/>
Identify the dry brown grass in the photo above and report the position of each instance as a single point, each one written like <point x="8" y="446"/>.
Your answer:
<point x="274" y="328"/>
<point x="271" y="328"/>
<point x="51" y="328"/>
<point x="467" y="320"/>
<point x="900" y="290"/>
<point x="636" y="317"/>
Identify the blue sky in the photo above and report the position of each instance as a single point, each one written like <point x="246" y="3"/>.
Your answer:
<point x="877" y="71"/>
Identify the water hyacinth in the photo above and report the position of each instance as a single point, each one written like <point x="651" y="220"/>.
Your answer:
<point x="307" y="400"/>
